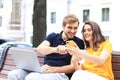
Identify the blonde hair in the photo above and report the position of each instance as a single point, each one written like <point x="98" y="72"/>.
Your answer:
<point x="70" y="18"/>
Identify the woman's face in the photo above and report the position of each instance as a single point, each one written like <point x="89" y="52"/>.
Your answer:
<point x="87" y="33"/>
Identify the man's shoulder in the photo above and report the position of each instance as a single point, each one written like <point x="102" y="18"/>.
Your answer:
<point x="53" y="34"/>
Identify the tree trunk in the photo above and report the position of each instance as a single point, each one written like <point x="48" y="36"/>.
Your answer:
<point x="39" y="22"/>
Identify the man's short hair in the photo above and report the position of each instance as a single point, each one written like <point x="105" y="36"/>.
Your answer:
<point x="70" y="18"/>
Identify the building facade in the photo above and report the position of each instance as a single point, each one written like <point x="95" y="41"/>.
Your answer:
<point x="104" y="12"/>
<point x="18" y="23"/>
<point x="16" y="19"/>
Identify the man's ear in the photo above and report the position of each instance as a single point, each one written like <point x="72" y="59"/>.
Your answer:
<point x="63" y="26"/>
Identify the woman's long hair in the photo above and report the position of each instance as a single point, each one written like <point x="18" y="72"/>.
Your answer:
<point x="97" y="35"/>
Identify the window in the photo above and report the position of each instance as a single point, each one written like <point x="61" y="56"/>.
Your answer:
<point x="16" y="15"/>
<point x="86" y="15"/>
<point x="0" y="21"/>
<point x="53" y="17"/>
<point x="1" y="3"/>
<point x="105" y="14"/>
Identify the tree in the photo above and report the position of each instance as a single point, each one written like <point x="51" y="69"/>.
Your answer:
<point x="39" y="22"/>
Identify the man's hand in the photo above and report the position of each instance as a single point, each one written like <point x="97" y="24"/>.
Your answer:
<point x="48" y="68"/>
<point x="61" y="49"/>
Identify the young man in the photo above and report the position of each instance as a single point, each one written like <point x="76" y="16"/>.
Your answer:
<point x="57" y="59"/>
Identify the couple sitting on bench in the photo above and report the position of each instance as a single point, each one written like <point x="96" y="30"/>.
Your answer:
<point x="64" y="59"/>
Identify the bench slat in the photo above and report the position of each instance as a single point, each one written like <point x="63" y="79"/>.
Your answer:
<point x="3" y="77"/>
<point x="116" y="58"/>
<point x="116" y="74"/>
<point x="9" y="62"/>
<point x="9" y="67"/>
<point x="4" y="72"/>
<point x="116" y="66"/>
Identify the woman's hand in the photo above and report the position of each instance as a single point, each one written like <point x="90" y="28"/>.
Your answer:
<point x="74" y="51"/>
<point x="76" y="63"/>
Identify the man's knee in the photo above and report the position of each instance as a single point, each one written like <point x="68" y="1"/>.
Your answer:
<point x="28" y="77"/>
<point x="31" y="76"/>
<point x="17" y="74"/>
<point x="11" y="74"/>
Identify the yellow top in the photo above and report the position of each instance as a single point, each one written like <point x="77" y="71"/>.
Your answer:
<point x="104" y="70"/>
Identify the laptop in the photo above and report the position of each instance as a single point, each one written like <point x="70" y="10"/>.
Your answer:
<point x="25" y="59"/>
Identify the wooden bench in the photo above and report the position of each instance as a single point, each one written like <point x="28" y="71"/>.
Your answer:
<point x="116" y="64"/>
<point x="9" y="64"/>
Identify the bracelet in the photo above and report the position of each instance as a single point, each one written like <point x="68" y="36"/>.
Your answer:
<point x="79" y="64"/>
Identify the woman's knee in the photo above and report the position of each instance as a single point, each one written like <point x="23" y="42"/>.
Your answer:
<point x="76" y="75"/>
<point x="78" y="72"/>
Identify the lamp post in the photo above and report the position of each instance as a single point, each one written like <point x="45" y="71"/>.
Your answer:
<point x="68" y="5"/>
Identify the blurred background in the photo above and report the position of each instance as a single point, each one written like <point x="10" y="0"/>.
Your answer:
<point x="16" y="17"/>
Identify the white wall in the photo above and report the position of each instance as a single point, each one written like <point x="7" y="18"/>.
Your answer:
<point x="108" y="28"/>
<point x="115" y="23"/>
<point x="27" y="12"/>
<point x="6" y="12"/>
<point x="60" y="7"/>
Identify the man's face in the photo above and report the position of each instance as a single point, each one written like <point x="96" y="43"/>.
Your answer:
<point x="70" y="30"/>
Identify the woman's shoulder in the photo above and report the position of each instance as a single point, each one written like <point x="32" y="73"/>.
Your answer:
<point x="107" y="42"/>
<point x="107" y="45"/>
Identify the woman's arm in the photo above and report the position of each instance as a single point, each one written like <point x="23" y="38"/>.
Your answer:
<point x="94" y="59"/>
<point x="101" y="59"/>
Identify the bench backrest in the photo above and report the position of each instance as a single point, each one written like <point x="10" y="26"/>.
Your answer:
<point x="10" y="65"/>
<point x="116" y="64"/>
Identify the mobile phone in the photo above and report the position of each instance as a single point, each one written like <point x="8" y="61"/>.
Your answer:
<point x="70" y="43"/>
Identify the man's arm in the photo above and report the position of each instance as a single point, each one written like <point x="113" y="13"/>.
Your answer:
<point x="45" y="48"/>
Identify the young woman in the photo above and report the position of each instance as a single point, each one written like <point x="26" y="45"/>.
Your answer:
<point x="97" y="62"/>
